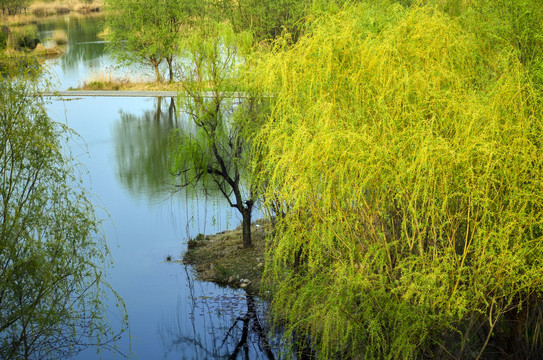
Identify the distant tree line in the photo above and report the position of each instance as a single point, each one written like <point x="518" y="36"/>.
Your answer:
<point x="12" y="7"/>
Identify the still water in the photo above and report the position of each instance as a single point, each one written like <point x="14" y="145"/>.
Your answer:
<point x="85" y="55"/>
<point x="123" y="146"/>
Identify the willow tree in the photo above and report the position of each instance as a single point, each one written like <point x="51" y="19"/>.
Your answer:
<point x="52" y="254"/>
<point x="265" y="19"/>
<point x="514" y="24"/>
<point x="211" y="149"/>
<point x="146" y="31"/>
<point x="408" y="155"/>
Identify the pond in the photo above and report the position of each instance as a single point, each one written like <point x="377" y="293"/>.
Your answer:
<point x="122" y="145"/>
<point x="85" y="55"/>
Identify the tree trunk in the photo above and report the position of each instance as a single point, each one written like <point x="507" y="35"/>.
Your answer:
<point x="169" y="59"/>
<point x="246" y="224"/>
<point x="157" y="72"/>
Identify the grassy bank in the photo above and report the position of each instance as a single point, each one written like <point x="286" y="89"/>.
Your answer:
<point x="109" y="82"/>
<point x="221" y="258"/>
<point x="38" y="10"/>
<point x="20" y="47"/>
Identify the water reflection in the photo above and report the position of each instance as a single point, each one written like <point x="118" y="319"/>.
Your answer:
<point x="86" y="54"/>
<point x="83" y="45"/>
<point x="125" y="155"/>
<point x="228" y="325"/>
<point x="141" y="153"/>
<point x="141" y="149"/>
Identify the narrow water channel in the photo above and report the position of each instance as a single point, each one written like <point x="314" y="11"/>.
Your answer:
<point x="122" y="145"/>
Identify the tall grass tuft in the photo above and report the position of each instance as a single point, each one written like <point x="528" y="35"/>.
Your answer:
<point x="60" y="36"/>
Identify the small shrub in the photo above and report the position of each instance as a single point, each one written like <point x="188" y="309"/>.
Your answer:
<point x="62" y="9"/>
<point x="94" y="85"/>
<point x="104" y="33"/>
<point x="4" y="34"/>
<point x="22" y="37"/>
<point x="196" y="242"/>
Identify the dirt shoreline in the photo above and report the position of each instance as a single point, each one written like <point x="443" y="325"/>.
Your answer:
<point x="221" y="258"/>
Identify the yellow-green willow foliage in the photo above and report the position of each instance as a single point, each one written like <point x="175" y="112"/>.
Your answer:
<point x="407" y="160"/>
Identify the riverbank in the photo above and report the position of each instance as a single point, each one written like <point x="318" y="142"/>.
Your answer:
<point x="38" y="10"/>
<point x="221" y="258"/>
<point x="110" y="83"/>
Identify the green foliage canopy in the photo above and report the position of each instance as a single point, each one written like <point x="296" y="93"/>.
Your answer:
<point x="406" y="154"/>
<point x="265" y="19"/>
<point x="505" y="24"/>
<point x="147" y="31"/>
<point x="51" y="250"/>
<point x="12" y="7"/>
<point x="212" y="148"/>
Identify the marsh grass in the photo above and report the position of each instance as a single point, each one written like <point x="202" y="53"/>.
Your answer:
<point x="60" y="36"/>
<point x="107" y="80"/>
<point x="40" y="9"/>
<point x="61" y="7"/>
<point x="104" y="80"/>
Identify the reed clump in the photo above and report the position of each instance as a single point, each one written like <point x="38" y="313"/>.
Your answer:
<point x="40" y="9"/>
<point x="60" y="36"/>
<point x="48" y="52"/>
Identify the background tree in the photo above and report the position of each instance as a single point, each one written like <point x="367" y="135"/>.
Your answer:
<point x="52" y="284"/>
<point x="147" y="31"/>
<point x="265" y="19"/>
<point x="13" y="7"/>
<point x="212" y="148"/>
<point x="407" y="148"/>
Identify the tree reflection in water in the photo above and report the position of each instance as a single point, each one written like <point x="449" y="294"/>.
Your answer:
<point x="219" y="327"/>
<point x="141" y="148"/>
<point x="84" y="48"/>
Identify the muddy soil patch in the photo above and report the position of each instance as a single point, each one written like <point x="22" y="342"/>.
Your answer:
<point x="221" y="258"/>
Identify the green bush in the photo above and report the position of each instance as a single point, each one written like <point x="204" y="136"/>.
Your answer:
<point x="4" y="34"/>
